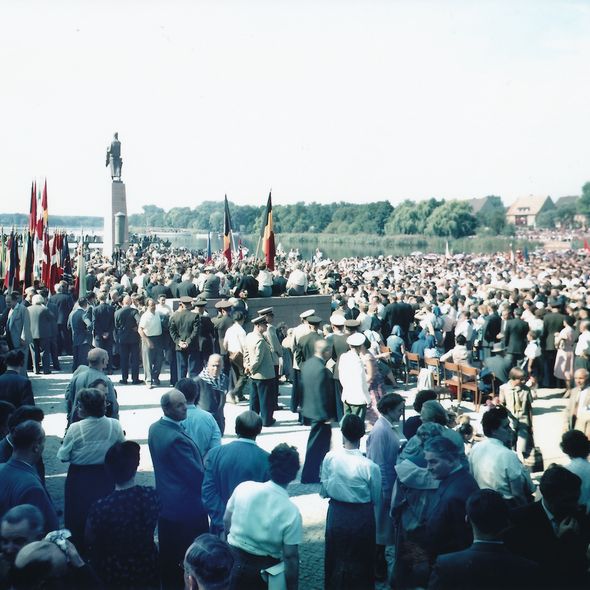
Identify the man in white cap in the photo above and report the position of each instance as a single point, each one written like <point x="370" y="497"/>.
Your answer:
<point x="298" y="332"/>
<point x="355" y="390"/>
<point x="339" y="346"/>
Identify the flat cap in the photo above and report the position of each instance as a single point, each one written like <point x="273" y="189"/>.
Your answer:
<point x="259" y="320"/>
<point x="200" y="302"/>
<point x="265" y="311"/>
<point x="223" y="304"/>
<point x="307" y="313"/>
<point x="352" y="323"/>
<point x="186" y="299"/>
<point x="314" y="320"/>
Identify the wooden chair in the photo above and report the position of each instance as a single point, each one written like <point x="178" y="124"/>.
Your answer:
<point x="434" y="365"/>
<point x="413" y="365"/>
<point x="469" y="382"/>
<point x="452" y="378"/>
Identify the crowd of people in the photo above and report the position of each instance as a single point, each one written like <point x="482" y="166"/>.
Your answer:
<point x="454" y="499"/>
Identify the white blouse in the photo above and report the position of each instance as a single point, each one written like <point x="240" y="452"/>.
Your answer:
<point x="87" y="442"/>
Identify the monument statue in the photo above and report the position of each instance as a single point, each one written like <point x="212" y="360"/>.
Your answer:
<point x="114" y="158"/>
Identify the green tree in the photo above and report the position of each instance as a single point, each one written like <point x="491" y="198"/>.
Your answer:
<point x="453" y="219"/>
<point x="547" y="219"/>
<point x="410" y="217"/>
<point x="584" y="202"/>
<point x="492" y="215"/>
<point x="566" y="214"/>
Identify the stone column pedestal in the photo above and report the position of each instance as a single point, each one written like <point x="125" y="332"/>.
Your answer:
<point x="118" y="204"/>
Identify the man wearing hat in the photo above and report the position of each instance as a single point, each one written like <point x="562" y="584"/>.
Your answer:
<point x="339" y="346"/>
<point x="552" y="324"/>
<point x="306" y="344"/>
<point x="259" y="367"/>
<point x="184" y="330"/>
<point x="355" y="389"/>
<point x="298" y="333"/>
<point x="275" y="347"/>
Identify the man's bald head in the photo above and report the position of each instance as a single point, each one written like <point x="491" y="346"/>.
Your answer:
<point x="581" y="378"/>
<point x="321" y="348"/>
<point x="97" y="357"/>
<point x="173" y="405"/>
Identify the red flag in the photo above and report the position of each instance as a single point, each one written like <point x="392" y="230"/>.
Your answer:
<point x="227" y="233"/>
<point x="586" y="245"/>
<point x="42" y="224"/>
<point x="33" y="209"/>
<point x="46" y="264"/>
<point x="12" y="262"/>
<point x="29" y="260"/>
<point x="240" y="251"/>
<point x="268" y="236"/>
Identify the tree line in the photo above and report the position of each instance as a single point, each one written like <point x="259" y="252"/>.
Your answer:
<point x="432" y="217"/>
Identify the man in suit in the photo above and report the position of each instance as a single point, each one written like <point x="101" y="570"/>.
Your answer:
<point x="184" y="329"/>
<point x="18" y="328"/>
<point x="178" y="468"/>
<point x="258" y="366"/>
<point x="98" y="360"/>
<point x="555" y="531"/>
<point x="42" y="321"/>
<point x="104" y="326"/>
<point x="19" y="480"/>
<point x="186" y="287"/>
<point x="552" y="324"/>
<point x="318" y="407"/>
<point x="447" y="530"/>
<point x="499" y="364"/>
<point x="211" y="284"/>
<point x="491" y="327"/>
<point x="206" y="334"/>
<point x="298" y="332"/>
<point x="339" y="346"/>
<point x="515" y="337"/>
<point x="126" y="324"/>
<point x="61" y="304"/>
<point x="227" y="466"/>
<point x="275" y="348"/>
<point x="80" y="323"/>
<point x="212" y="384"/>
<point x="15" y="388"/>
<point x="577" y="413"/>
<point x="487" y="564"/>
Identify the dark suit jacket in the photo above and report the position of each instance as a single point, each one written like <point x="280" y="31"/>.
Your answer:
<point x="491" y="328"/>
<point x="16" y="389"/>
<point x="500" y="367"/>
<point x="184" y="326"/>
<point x="563" y="561"/>
<point x="304" y="349"/>
<point x="515" y="336"/>
<point x="226" y="467"/>
<point x="20" y="484"/>
<point x="81" y="327"/>
<point x="158" y="290"/>
<point x="248" y="283"/>
<point x="211" y="287"/>
<point x="42" y="321"/>
<point x="212" y="400"/>
<point x="104" y="320"/>
<point x="318" y="390"/>
<point x="206" y="335"/>
<point x="339" y="347"/>
<point x="552" y="322"/>
<point x="186" y="289"/>
<point x="447" y="529"/>
<point x="126" y="323"/>
<point x="484" y="566"/>
<point x="61" y="304"/>
<point x="178" y="468"/>
<point x="279" y="285"/>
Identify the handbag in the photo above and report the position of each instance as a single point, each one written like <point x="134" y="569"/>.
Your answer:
<point x="274" y="576"/>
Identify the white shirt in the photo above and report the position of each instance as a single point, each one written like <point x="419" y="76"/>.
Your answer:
<point x="497" y="468"/>
<point x="583" y="401"/>
<point x="297" y="279"/>
<point x="87" y="442"/>
<point x="583" y="343"/>
<point x="150" y="323"/>
<point x="581" y="467"/>
<point x="263" y="519"/>
<point x="348" y="476"/>
<point x="235" y="338"/>
<point x="353" y="379"/>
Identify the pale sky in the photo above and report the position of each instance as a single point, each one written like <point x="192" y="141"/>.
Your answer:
<point x="355" y="100"/>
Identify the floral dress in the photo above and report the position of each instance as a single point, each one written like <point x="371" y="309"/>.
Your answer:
<point x="120" y="531"/>
<point x="376" y="384"/>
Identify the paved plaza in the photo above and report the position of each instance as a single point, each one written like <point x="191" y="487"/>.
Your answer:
<point x="139" y="407"/>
